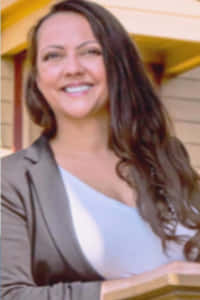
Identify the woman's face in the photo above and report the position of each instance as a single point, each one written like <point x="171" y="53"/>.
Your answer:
<point x="70" y="67"/>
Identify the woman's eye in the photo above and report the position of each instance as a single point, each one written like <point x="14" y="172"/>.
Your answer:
<point x="93" y="52"/>
<point x="49" y="56"/>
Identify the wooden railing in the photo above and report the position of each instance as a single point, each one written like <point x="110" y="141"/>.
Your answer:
<point x="169" y="287"/>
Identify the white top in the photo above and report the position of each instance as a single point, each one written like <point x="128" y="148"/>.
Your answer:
<point x="113" y="237"/>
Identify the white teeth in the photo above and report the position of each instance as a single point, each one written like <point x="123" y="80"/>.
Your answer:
<point x="77" y="89"/>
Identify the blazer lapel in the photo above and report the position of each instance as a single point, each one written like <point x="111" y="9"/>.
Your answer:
<point x="54" y="204"/>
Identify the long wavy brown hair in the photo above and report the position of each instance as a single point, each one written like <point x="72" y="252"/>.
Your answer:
<point x="152" y="159"/>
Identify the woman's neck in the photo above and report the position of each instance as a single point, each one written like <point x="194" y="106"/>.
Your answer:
<point x="82" y="137"/>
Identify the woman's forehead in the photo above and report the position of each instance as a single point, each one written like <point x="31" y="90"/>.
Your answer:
<point x="65" y="22"/>
<point x="65" y="27"/>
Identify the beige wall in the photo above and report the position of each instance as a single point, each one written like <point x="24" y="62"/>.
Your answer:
<point x="182" y="97"/>
<point x="7" y="99"/>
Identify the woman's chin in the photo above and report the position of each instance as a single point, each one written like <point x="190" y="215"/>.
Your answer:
<point x="79" y="114"/>
<point x="84" y="111"/>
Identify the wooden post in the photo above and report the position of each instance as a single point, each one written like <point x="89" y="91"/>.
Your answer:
<point x="18" y="85"/>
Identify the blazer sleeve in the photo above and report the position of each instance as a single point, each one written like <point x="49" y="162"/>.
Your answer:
<point x="16" y="277"/>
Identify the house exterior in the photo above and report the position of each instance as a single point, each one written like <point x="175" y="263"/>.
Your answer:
<point x="167" y="35"/>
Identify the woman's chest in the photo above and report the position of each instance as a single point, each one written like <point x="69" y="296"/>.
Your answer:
<point x="101" y="175"/>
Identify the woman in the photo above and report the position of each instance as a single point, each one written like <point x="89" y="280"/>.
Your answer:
<point x="105" y="173"/>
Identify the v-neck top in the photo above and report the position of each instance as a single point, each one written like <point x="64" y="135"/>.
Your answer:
<point x="113" y="237"/>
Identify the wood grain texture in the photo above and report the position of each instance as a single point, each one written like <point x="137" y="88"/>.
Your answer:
<point x="168" y="287"/>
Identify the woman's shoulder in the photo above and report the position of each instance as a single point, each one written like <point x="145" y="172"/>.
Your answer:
<point x="12" y="167"/>
<point x="14" y="181"/>
<point x="13" y="160"/>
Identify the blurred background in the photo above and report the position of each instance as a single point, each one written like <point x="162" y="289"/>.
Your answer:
<point x="167" y="34"/>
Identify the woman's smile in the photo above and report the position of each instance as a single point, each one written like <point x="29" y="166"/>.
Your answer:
<point x="77" y="89"/>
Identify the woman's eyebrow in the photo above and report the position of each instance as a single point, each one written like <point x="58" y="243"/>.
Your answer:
<point x="86" y="43"/>
<point x="79" y="46"/>
<point x="53" y="46"/>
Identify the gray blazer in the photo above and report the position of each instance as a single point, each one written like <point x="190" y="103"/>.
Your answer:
<point x="41" y="257"/>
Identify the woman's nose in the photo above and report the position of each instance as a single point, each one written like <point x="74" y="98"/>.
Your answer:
<point x="72" y="65"/>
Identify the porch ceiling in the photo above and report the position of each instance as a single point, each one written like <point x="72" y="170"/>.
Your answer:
<point x="164" y="32"/>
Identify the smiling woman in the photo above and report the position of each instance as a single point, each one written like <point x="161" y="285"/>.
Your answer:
<point x="70" y="68"/>
<point x="106" y="197"/>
